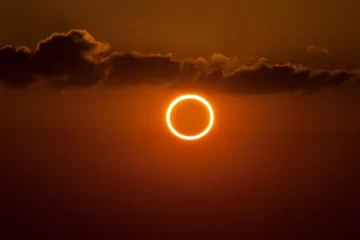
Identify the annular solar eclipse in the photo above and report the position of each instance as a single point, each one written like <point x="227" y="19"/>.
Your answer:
<point x="190" y="97"/>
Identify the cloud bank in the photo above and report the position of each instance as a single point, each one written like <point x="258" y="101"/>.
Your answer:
<point x="76" y="59"/>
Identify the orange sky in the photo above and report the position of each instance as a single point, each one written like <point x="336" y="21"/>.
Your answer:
<point x="107" y="153"/>
<point x="84" y="145"/>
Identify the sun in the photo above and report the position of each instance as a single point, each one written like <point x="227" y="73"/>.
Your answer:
<point x="189" y="97"/>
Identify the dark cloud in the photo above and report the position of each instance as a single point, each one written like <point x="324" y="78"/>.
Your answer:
<point x="62" y="59"/>
<point x="76" y="59"/>
<point x="15" y="67"/>
<point x="70" y="59"/>
<point x="137" y="68"/>
<point x="266" y="78"/>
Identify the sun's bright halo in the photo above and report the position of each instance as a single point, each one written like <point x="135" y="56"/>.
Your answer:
<point x="189" y="97"/>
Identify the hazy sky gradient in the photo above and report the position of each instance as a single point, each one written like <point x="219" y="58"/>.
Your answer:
<point x="85" y="151"/>
<point x="280" y="30"/>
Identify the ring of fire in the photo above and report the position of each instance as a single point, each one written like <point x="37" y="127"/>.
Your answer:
<point x="187" y="97"/>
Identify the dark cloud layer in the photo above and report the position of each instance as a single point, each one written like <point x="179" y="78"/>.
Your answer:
<point x="138" y="68"/>
<point x="16" y="68"/>
<point x="264" y="78"/>
<point x="76" y="59"/>
<point x="72" y="56"/>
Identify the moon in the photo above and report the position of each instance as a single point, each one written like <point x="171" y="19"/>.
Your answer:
<point x="190" y="97"/>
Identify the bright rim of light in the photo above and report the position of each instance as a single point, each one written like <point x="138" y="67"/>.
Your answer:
<point x="187" y="97"/>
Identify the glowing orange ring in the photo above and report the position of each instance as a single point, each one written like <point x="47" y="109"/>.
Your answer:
<point x="186" y="97"/>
